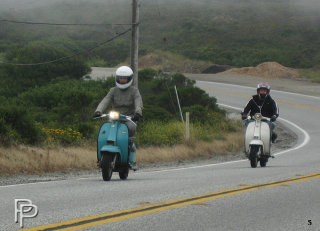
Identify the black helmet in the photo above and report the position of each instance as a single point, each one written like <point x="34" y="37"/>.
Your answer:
<point x="262" y="85"/>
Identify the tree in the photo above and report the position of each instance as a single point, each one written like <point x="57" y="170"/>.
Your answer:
<point x="18" y="78"/>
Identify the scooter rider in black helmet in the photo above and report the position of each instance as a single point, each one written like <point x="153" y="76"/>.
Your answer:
<point x="264" y="104"/>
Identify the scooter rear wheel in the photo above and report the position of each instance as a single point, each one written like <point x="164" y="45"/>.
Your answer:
<point x="253" y="156"/>
<point x="106" y="166"/>
<point x="263" y="161"/>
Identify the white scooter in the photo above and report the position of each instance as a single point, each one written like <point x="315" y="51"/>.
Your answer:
<point x="258" y="140"/>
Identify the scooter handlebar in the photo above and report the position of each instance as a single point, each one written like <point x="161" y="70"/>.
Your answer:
<point x="261" y="118"/>
<point x="130" y="119"/>
<point x="101" y="117"/>
<point x="121" y="116"/>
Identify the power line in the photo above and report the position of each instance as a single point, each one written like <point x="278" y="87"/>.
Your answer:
<point x="67" y="57"/>
<point x="65" y="24"/>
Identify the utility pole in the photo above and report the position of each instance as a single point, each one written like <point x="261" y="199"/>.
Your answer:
<point x="135" y="40"/>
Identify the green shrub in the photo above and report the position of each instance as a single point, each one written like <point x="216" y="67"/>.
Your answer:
<point x="18" y="78"/>
<point x="17" y="124"/>
<point x="87" y="129"/>
<point x="147" y="74"/>
<point x="160" y="133"/>
<point x="154" y="112"/>
<point x="61" y="136"/>
<point x="312" y="74"/>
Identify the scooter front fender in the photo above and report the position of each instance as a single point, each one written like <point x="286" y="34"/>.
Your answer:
<point x="110" y="148"/>
<point x="114" y="151"/>
<point x="256" y="142"/>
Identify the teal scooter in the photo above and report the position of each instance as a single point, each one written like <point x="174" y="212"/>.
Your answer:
<point x="115" y="152"/>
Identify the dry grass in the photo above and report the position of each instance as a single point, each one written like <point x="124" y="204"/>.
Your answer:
<point x="199" y="150"/>
<point x="169" y="62"/>
<point x="36" y="160"/>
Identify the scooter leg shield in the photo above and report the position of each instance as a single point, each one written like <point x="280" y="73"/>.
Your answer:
<point x="265" y="137"/>
<point x="249" y="133"/>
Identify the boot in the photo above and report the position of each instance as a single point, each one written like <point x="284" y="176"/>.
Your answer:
<point x="274" y="137"/>
<point x="133" y="166"/>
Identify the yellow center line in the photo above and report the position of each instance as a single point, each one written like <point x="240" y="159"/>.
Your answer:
<point x="248" y="96"/>
<point x="130" y="213"/>
<point x="299" y="105"/>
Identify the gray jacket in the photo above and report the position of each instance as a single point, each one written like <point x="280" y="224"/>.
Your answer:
<point x="127" y="102"/>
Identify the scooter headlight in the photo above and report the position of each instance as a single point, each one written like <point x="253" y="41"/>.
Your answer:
<point x="258" y="116"/>
<point x="113" y="115"/>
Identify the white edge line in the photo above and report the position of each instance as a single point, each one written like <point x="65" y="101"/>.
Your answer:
<point x="305" y="141"/>
<point x="229" y="84"/>
<point x="305" y="133"/>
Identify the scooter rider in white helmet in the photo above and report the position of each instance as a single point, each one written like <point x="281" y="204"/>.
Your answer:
<point x="264" y="104"/>
<point x="125" y="99"/>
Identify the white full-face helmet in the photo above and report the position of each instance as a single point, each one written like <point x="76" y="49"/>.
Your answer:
<point x="124" y="77"/>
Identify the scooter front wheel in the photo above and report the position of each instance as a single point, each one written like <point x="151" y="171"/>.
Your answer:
<point x="253" y="156"/>
<point x="106" y="166"/>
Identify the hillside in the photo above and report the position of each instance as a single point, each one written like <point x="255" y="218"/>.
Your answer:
<point x="232" y="32"/>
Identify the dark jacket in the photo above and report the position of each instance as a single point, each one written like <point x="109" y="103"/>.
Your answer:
<point x="268" y="106"/>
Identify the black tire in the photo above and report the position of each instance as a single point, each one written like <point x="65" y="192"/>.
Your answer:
<point x="124" y="173"/>
<point x="106" y="166"/>
<point x="263" y="161"/>
<point x="253" y="156"/>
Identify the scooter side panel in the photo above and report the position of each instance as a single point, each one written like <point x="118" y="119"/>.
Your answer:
<point x="132" y="157"/>
<point x="102" y="138"/>
<point x="123" y="142"/>
<point x="249" y="136"/>
<point x="265" y="137"/>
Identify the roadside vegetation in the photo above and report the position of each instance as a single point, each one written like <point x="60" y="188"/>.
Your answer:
<point x="31" y="159"/>
<point x="46" y="115"/>
<point x="312" y="74"/>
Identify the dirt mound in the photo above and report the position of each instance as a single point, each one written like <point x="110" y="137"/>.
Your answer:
<point x="270" y="70"/>
<point x="170" y="62"/>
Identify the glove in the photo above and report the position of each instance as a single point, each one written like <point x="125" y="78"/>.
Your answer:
<point x="273" y="118"/>
<point x="97" y="114"/>
<point x="136" y="117"/>
<point x="243" y="116"/>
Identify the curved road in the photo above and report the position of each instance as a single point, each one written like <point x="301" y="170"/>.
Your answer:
<point x="227" y="196"/>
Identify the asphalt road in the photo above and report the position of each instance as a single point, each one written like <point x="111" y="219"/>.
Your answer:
<point x="226" y="196"/>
